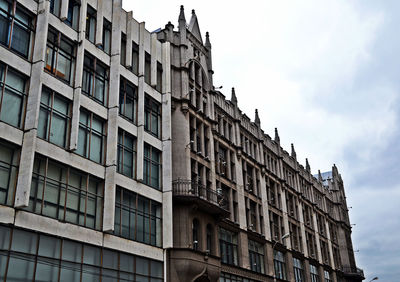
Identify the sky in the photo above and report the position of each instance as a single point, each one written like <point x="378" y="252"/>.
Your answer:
<point x="327" y="75"/>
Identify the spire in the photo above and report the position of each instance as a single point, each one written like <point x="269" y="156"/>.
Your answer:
<point x="194" y="27"/>
<point x="277" y="139"/>
<point x="208" y="44"/>
<point x="320" y="176"/>
<point x="308" y="168"/>
<point x="293" y="153"/>
<point x="257" y="118"/>
<point x="233" y="97"/>
<point x="182" y="15"/>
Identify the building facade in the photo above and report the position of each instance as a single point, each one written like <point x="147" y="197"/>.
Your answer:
<point x="120" y="161"/>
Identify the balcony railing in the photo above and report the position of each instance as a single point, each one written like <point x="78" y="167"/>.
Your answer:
<point x="353" y="271"/>
<point x="188" y="188"/>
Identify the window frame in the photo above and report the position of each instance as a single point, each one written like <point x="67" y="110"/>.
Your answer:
<point x="41" y="181"/>
<point x="231" y="257"/>
<point x="280" y="265"/>
<point x="256" y="256"/>
<point x="122" y="149"/>
<point x="148" y="159"/>
<point x="131" y="207"/>
<point x="12" y="20"/>
<point x="49" y="111"/>
<point x="93" y="74"/>
<point x="152" y="112"/>
<point x="9" y="168"/>
<point x="124" y="84"/>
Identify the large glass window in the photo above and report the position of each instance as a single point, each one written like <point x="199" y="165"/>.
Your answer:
<point x="126" y="154"/>
<point x="95" y="79"/>
<point x="280" y="265"/>
<point x="314" y="273"/>
<point x="29" y="256"/>
<point x="128" y="100"/>
<point x="91" y="24"/>
<point x="137" y="218"/>
<point x="256" y="253"/>
<point x="54" y="118"/>
<point x="13" y="87"/>
<point x="152" y="116"/>
<point x="298" y="270"/>
<point x="16" y="27"/>
<point x="152" y="166"/>
<point x="91" y="138"/>
<point x="228" y="243"/>
<point x="9" y="159"/>
<point x="60" y="56"/>
<point x="66" y="194"/>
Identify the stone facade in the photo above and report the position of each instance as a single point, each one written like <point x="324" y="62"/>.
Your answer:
<point x="116" y="146"/>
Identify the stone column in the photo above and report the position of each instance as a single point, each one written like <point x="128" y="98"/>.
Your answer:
<point x="22" y="192"/>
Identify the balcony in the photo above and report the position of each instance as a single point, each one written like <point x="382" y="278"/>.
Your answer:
<point x="205" y="198"/>
<point x="353" y="272"/>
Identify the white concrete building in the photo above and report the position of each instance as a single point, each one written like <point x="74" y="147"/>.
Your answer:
<point x="85" y="152"/>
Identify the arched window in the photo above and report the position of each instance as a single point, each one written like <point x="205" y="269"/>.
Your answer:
<point x="209" y="238"/>
<point x="195" y="235"/>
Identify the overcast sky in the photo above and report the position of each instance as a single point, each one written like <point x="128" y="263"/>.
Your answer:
<point x="326" y="73"/>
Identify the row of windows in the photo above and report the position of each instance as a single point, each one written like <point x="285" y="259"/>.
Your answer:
<point x="69" y="195"/>
<point x="227" y="277"/>
<point x="37" y="257"/>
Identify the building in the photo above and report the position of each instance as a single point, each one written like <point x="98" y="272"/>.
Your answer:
<point x="120" y="161"/>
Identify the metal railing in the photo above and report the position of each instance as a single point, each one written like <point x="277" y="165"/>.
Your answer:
<point x="182" y="187"/>
<point x="353" y="270"/>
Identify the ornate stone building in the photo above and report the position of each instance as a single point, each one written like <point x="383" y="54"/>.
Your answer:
<point x="120" y="161"/>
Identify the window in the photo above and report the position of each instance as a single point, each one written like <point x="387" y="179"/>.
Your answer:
<point x="256" y="254"/>
<point x="73" y="14"/>
<point x="73" y="11"/>
<point x="54" y="118"/>
<point x="13" y="88"/>
<point x="9" y="159"/>
<point x="60" y="56"/>
<point x="91" y="24"/>
<point x="91" y="138"/>
<point x="159" y="77"/>
<point x="128" y="100"/>
<point x="228" y="243"/>
<point x="152" y="167"/>
<point x="137" y="218"/>
<point x="126" y="154"/>
<point x="135" y="58"/>
<point x="195" y="234"/>
<point x="122" y="56"/>
<point x="66" y="194"/>
<point x="95" y="79"/>
<point x="227" y="277"/>
<point x="327" y="276"/>
<point x="106" y="36"/>
<point x="152" y="116"/>
<point x="314" y="273"/>
<point x="280" y="265"/>
<point x="209" y="239"/>
<point x="56" y="259"/>
<point x="298" y="270"/>
<point x="147" y="68"/>
<point x="16" y="28"/>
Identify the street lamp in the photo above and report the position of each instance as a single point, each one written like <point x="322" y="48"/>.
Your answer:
<point x="375" y="278"/>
